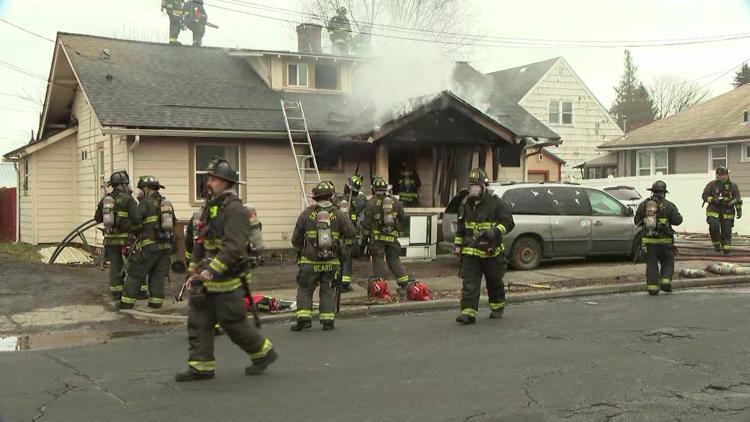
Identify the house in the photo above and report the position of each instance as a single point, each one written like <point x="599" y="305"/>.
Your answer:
<point x="544" y="166"/>
<point x="711" y="134"/>
<point x="163" y="110"/>
<point x="552" y="92"/>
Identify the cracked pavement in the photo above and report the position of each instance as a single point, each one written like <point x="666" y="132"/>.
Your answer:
<point x="680" y="357"/>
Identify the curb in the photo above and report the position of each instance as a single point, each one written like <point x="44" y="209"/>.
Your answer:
<point x="444" y="304"/>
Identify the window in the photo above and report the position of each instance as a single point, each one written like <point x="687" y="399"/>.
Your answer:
<point x="26" y="176"/>
<point x="296" y="74"/>
<point x="652" y="162"/>
<point x="527" y="201"/>
<point x="717" y="156"/>
<point x="561" y="112"/>
<point x="203" y="155"/>
<point x="568" y="201"/>
<point x="593" y="173"/>
<point x="603" y="204"/>
<point x="745" y="117"/>
<point x="100" y="158"/>
<point x="745" y="152"/>
<point x="610" y="171"/>
<point x="326" y="76"/>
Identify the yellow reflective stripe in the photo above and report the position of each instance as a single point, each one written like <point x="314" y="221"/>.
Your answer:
<point x="327" y="316"/>
<point x="709" y="199"/>
<point x="213" y="211"/>
<point x="144" y="288"/>
<point x="306" y="260"/>
<point x="122" y="213"/>
<point x="470" y="312"/>
<point x="222" y="286"/>
<point x="156" y="300"/>
<point x="192" y="267"/>
<point x="458" y="240"/>
<point x="496" y="306"/>
<point x="502" y="229"/>
<point x="304" y="313"/>
<point x="311" y="233"/>
<point x="729" y="216"/>
<point x="218" y="266"/>
<point x="712" y="214"/>
<point x="188" y="255"/>
<point x="663" y="221"/>
<point x="128" y="300"/>
<point x="346" y="279"/>
<point x="203" y="366"/>
<point x="408" y="195"/>
<point x="481" y="253"/>
<point x="146" y="242"/>
<point x="353" y="217"/>
<point x="115" y="288"/>
<point x="213" y="243"/>
<point x="666" y="281"/>
<point x="657" y="240"/>
<point x="115" y="235"/>
<point x="652" y="287"/>
<point x="402" y="278"/>
<point x="477" y="225"/>
<point x="151" y="219"/>
<point x="267" y="346"/>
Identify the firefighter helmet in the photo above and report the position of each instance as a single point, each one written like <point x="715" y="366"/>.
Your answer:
<point x="379" y="184"/>
<point x="342" y="10"/>
<point x="141" y="182"/>
<point x="323" y="190"/>
<point x="355" y="183"/>
<point x="477" y="176"/>
<point x="659" y="186"/>
<point x="378" y="289"/>
<point x="722" y="170"/>
<point x="150" y="182"/>
<point x="417" y="291"/>
<point x="219" y="167"/>
<point x="119" y="178"/>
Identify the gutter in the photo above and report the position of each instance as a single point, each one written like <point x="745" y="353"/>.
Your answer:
<point x="190" y="133"/>
<point x="18" y="200"/>
<point x="130" y="154"/>
<point x="680" y="145"/>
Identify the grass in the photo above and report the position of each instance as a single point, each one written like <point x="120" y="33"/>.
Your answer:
<point x="22" y="251"/>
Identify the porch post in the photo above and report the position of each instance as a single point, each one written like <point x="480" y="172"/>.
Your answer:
<point x="381" y="161"/>
<point x="489" y="163"/>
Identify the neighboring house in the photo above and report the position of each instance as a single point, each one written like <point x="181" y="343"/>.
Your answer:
<point x="544" y="167"/>
<point x="162" y="110"/>
<point x="600" y="167"/>
<point x="697" y="140"/>
<point x="553" y="93"/>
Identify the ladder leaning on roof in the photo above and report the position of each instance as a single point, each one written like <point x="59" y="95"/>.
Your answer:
<point x="304" y="155"/>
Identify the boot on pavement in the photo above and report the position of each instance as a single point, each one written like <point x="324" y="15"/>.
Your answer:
<point x="464" y="319"/>
<point x="260" y="365"/>
<point x="193" y="375"/>
<point x="301" y="324"/>
<point x="497" y="314"/>
<point x="327" y="325"/>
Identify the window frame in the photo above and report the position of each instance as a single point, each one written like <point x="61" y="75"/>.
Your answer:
<point x="563" y="113"/>
<point x="298" y="65"/>
<point x="194" y="171"/>
<point x="560" y="105"/>
<point x="652" y="169"/>
<point x="557" y="113"/>
<point x="711" y="158"/>
<point x="26" y="167"/>
<point x="745" y="157"/>
<point x="336" y="72"/>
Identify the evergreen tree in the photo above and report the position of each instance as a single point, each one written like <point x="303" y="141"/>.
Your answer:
<point x="742" y="76"/>
<point x="633" y="107"/>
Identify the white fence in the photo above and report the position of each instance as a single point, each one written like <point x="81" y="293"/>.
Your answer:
<point x="685" y="191"/>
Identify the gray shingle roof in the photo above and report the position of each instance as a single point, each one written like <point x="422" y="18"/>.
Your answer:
<point x="515" y="82"/>
<point x="720" y="118"/>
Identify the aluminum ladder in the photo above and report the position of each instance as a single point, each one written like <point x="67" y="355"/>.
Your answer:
<point x="302" y="148"/>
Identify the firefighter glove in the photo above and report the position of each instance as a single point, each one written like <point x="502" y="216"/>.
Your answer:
<point x="739" y="213"/>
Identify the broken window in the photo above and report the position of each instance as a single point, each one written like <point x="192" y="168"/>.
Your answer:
<point x="296" y="74"/>
<point x="568" y="201"/>
<point x="203" y="155"/>
<point x="531" y="201"/>
<point x="326" y="76"/>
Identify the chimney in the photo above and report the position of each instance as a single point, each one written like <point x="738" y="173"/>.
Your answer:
<point x="308" y="38"/>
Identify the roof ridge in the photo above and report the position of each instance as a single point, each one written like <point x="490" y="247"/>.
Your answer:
<point x="102" y="37"/>
<point x="524" y="65"/>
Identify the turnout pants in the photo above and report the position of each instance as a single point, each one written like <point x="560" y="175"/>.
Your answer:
<point x="198" y="32"/>
<point x="388" y="253"/>
<point x="228" y="310"/>
<point x="721" y="232"/>
<point x="175" y="25"/>
<point x="151" y="263"/>
<point x="472" y="270"/>
<point x="112" y="253"/>
<point x="307" y="280"/>
<point x="346" y="267"/>
<point x="659" y="267"/>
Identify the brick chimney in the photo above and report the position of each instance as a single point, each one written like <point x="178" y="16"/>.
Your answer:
<point x="308" y="38"/>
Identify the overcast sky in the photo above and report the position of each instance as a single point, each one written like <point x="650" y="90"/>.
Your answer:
<point x="595" y="20"/>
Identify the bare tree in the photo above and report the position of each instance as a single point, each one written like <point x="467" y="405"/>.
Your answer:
<point x="673" y="94"/>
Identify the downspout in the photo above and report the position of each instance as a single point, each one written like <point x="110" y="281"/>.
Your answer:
<point x="130" y="154"/>
<point x="18" y="201"/>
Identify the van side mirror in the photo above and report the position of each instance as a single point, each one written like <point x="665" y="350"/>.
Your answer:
<point x="629" y="212"/>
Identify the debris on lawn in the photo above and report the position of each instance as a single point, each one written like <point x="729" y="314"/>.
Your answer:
<point x="692" y="273"/>
<point x="69" y="255"/>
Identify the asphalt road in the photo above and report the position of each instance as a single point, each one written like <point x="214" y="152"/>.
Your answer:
<point x="622" y="358"/>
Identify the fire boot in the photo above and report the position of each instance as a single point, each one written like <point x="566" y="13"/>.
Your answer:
<point x="193" y="375"/>
<point x="497" y="314"/>
<point x="260" y="365"/>
<point x="301" y="324"/>
<point x="464" y="319"/>
<point x="327" y="325"/>
<point x="346" y="287"/>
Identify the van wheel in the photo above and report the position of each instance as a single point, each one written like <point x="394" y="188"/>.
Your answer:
<point x="526" y="254"/>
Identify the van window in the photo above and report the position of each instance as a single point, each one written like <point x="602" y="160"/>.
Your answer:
<point x="528" y="200"/>
<point x="568" y="201"/>
<point x="603" y="204"/>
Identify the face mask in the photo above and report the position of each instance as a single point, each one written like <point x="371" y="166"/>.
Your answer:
<point x="659" y="196"/>
<point x="140" y="195"/>
<point x="476" y="191"/>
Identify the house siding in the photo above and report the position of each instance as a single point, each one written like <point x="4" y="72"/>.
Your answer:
<point x="691" y="160"/>
<point x="580" y="139"/>
<point x="26" y="202"/>
<point x="740" y="171"/>
<point x="55" y="204"/>
<point x="533" y="163"/>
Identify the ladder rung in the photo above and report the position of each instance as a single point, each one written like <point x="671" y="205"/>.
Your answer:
<point x="297" y="131"/>
<point x="294" y="118"/>
<point x="305" y="155"/>
<point x="301" y="143"/>
<point x="309" y="169"/>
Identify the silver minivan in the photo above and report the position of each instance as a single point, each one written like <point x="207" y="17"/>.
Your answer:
<point x="558" y="220"/>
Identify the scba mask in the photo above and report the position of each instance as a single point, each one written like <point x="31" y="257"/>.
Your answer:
<point x="476" y="191"/>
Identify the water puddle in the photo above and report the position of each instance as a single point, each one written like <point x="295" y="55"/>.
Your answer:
<point x="59" y="339"/>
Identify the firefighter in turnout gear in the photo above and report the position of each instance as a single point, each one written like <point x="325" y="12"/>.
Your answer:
<point x="408" y="186"/>
<point x="150" y="257"/>
<point x="195" y="18"/>
<point x="383" y="221"/>
<point x="121" y="217"/>
<point x="656" y="216"/>
<point x="352" y="203"/>
<point x="483" y="220"/>
<point x="174" y="11"/>
<point x="319" y="238"/>
<point x="340" y="31"/>
<point x="724" y="204"/>
<point x="217" y="284"/>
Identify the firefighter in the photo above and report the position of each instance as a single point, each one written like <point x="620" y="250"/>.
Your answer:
<point x="408" y="186"/>
<point x="216" y="282"/>
<point x="483" y="220"/>
<point x="340" y="31"/>
<point x="383" y="220"/>
<point x="318" y="240"/>
<point x="195" y="18"/>
<point x="174" y="9"/>
<point x="352" y="202"/>
<point x="255" y="246"/>
<point x="724" y="203"/>
<point x="121" y="217"/>
<point x="150" y="257"/>
<point x="656" y="216"/>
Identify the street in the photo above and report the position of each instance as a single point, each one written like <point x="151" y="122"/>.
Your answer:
<point x="625" y="357"/>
